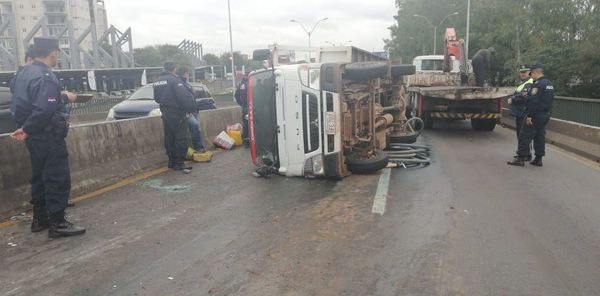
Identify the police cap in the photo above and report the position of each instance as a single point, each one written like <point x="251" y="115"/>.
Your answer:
<point x="537" y="66"/>
<point x="45" y="44"/>
<point x="524" y="68"/>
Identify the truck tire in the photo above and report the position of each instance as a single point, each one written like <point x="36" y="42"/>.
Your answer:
<point x="403" y="70"/>
<point x="486" y="125"/>
<point x="365" y="71"/>
<point x="367" y="166"/>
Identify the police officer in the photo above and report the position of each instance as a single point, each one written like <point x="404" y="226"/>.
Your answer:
<point x="41" y="113"/>
<point x="241" y="97"/>
<point x="518" y="102"/>
<point x="175" y="103"/>
<point x="539" y="107"/>
<point x="482" y="65"/>
<point x="195" y="132"/>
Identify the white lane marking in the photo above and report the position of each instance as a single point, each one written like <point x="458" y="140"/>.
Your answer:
<point x="382" y="192"/>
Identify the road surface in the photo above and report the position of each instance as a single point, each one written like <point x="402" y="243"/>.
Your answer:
<point x="467" y="225"/>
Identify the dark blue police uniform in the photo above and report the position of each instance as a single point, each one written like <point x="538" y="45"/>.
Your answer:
<point x="241" y="97"/>
<point x="41" y="111"/>
<point x="175" y="101"/>
<point x="539" y="107"/>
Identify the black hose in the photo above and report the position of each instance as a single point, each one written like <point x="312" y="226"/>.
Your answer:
<point x="409" y="155"/>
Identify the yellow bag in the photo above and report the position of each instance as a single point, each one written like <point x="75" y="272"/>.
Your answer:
<point x="203" y="157"/>
<point x="236" y="135"/>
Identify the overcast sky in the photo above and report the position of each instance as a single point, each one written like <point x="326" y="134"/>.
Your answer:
<point x="256" y="23"/>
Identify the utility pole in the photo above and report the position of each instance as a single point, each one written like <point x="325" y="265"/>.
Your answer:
<point x="468" y="28"/>
<point x="231" y="50"/>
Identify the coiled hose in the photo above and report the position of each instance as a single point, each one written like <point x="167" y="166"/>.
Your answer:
<point x="409" y="155"/>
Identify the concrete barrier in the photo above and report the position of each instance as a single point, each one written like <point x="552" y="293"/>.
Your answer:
<point x="100" y="154"/>
<point x="572" y="136"/>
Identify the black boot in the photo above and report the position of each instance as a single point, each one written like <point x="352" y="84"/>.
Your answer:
<point x="181" y="165"/>
<point x="519" y="161"/>
<point x="537" y="162"/>
<point x="526" y="158"/>
<point x="40" y="219"/>
<point x="60" y="227"/>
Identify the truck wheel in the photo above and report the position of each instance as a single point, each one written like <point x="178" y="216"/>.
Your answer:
<point x="366" y="166"/>
<point x="365" y="71"/>
<point x="486" y="125"/>
<point x="403" y="70"/>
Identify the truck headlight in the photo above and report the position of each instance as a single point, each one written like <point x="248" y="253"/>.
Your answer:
<point x="111" y="115"/>
<point x="155" y="112"/>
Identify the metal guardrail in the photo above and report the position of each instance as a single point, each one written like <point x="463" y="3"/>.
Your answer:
<point x="99" y="104"/>
<point x="580" y="110"/>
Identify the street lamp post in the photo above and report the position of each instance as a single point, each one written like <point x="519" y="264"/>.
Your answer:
<point x="309" y="33"/>
<point x="435" y="28"/>
<point x="231" y="51"/>
<point x="468" y="28"/>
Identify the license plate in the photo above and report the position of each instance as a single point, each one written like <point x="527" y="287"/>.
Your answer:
<point x="330" y="119"/>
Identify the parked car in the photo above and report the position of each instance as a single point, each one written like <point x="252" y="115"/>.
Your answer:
<point x="6" y="123"/>
<point x="141" y="103"/>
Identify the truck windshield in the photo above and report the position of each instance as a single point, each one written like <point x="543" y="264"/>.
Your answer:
<point x="432" y="65"/>
<point x="264" y="118"/>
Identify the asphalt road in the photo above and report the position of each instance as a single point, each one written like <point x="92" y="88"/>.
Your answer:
<point x="467" y="225"/>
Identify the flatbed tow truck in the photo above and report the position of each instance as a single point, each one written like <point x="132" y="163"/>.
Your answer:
<point x="444" y="88"/>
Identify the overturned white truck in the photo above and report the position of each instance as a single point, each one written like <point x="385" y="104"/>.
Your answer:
<point x="326" y="119"/>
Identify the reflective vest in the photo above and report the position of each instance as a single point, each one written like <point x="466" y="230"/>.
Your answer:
<point x="521" y="87"/>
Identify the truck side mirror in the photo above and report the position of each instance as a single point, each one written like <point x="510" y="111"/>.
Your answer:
<point x="261" y="55"/>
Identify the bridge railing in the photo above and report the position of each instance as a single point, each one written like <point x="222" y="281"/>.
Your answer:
<point x="580" y="110"/>
<point x="99" y="104"/>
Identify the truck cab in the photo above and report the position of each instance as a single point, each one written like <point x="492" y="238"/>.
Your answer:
<point x="434" y="64"/>
<point x="295" y="123"/>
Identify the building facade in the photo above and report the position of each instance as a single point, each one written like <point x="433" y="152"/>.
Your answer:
<point x="69" y="20"/>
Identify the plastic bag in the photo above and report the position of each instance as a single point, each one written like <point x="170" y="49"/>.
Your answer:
<point x="235" y="127"/>
<point x="224" y="141"/>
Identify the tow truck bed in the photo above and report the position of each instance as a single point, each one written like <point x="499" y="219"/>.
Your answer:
<point x="463" y="92"/>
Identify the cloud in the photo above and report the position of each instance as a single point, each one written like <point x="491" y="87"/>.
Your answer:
<point x="255" y="23"/>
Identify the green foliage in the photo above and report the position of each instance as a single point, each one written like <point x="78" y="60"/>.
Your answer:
<point x="211" y="59"/>
<point x="157" y="55"/>
<point x="564" y="35"/>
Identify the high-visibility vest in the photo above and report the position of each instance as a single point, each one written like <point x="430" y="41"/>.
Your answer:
<point x="521" y="87"/>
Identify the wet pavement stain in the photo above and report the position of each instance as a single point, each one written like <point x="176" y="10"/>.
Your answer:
<point x="158" y="185"/>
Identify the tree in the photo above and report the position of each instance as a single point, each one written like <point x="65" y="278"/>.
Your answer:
<point x="239" y="61"/>
<point x="157" y="55"/>
<point x="211" y="59"/>
<point x="564" y="35"/>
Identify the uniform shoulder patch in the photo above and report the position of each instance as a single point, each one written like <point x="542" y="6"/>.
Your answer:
<point x="550" y="87"/>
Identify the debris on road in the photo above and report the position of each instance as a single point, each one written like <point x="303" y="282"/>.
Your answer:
<point x="409" y="155"/>
<point x="223" y="140"/>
